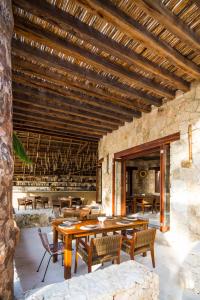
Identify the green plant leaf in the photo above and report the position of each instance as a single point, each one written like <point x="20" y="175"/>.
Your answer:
<point x="19" y="149"/>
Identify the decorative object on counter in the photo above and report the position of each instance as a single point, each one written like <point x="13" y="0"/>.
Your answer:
<point x="55" y="183"/>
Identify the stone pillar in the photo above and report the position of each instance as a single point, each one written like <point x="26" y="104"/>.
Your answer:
<point x="8" y="229"/>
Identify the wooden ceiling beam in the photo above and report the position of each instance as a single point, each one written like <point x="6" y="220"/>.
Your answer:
<point x="55" y="143"/>
<point x="43" y="36"/>
<point x="24" y="49"/>
<point x="157" y="10"/>
<point x="23" y="98"/>
<point x="41" y="115"/>
<point x="54" y="133"/>
<point x="196" y="2"/>
<point x="84" y="99"/>
<point x="135" y="30"/>
<point x="57" y="147"/>
<point x="35" y="123"/>
<point x="67" y="102"/>
<point x="31" y="107"/>
<point x="45" y="73"/>
<point x="70" y="24"/>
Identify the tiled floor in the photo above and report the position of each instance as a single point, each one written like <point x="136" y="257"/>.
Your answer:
<point x="30" y="251"/>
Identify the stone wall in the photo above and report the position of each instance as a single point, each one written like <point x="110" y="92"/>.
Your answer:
<point x="129" y="280"/>
<point x="7" y="225"/>
<point x="172" y="117"/>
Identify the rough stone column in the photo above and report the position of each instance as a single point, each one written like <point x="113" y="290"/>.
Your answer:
<point x="8" y="229"/>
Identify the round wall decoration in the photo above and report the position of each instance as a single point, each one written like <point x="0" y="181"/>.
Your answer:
<point x="143" y="173"/>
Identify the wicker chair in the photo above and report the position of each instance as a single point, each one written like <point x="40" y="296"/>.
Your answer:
<point x="65" y="202"/>
<point x="42" y="201"/>
<point x="140" y="242"/>
<point x="78" y="213"/>
<point x="55" y="203"/>
<point x="143" y="204"/>
<point x="77" y="201"/>
<point x="49" y="248"/>
<point x="99" y="250"/>
<point x="25" y="202"/>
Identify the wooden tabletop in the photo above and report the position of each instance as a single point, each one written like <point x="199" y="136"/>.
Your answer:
<point x="109" y="225"/>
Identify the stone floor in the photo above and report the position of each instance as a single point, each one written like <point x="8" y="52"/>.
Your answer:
<point x="30" y="251"/>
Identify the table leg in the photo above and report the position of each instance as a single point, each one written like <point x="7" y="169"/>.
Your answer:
<point x="55" y="243"/>
<point x="68" y="257"/>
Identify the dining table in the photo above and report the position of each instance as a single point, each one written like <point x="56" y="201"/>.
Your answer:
<point x="84" y="229"/>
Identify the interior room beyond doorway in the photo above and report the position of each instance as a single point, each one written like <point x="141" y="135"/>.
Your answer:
<point x="143" y="187"/>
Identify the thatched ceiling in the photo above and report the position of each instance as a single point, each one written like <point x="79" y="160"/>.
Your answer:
<point x="51" y="155"/>
<point x="83" y="68"/>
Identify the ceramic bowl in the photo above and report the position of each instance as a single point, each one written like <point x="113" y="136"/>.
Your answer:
<point x="101" y="219"/>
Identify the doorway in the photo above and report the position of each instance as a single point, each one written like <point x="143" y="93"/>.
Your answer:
<point x="141" y="182"/>
<point x="143" y="187"/>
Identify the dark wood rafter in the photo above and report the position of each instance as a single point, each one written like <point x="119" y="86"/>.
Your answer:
<point x="37" y="84"/>
<point x="73" y="25"/>
<point x="32" y="107"/>
<point x="44" y="73"/>
<point x="157" y="10"/>
<point x="136" y="30"/>
<point x="34" y="123"/>
<point x="50" y="39"/>
<point x="25" y="49"/>
<point x="57" y="120"/>
<point x="67" y="102"/>
<point x="53" y="133"/>
<point x="23" y="98"/>
<point x="82" y="68"/>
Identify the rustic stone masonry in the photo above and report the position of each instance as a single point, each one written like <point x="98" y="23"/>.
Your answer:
<point x="172" y="117"/>
<point x="8" y="229"/>
<point x="129" y="280"/>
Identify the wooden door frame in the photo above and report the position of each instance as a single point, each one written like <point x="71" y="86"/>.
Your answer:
<point x="146" y="148"/>
<point x="99" y="165"/>
<point x="123" y="181"/>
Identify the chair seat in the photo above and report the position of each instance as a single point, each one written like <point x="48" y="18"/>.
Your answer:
<point x="144" y="204"/>
<point x="126" y="248"/>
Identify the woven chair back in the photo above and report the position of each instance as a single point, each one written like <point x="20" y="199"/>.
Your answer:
<point x="144" y="237"/>
<point x="107" y="245"/>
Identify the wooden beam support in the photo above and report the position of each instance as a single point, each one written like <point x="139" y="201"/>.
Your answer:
<point x="36" y="70"/>
<point x="25" y="99"/>
<point x="31" y="107"/>
<point x="45" y="37"/>
<point x="53" y="60"/>
<point x="41" y="115"/>
<point x="157" y="10"/>
<point x="70" y="24"/>
<point x="54" y="133"/>
<point x="84" y="99"/>
<point x="39" y="93"/>
<point x="35" y="123"/>
<point x="135" y="30"/>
